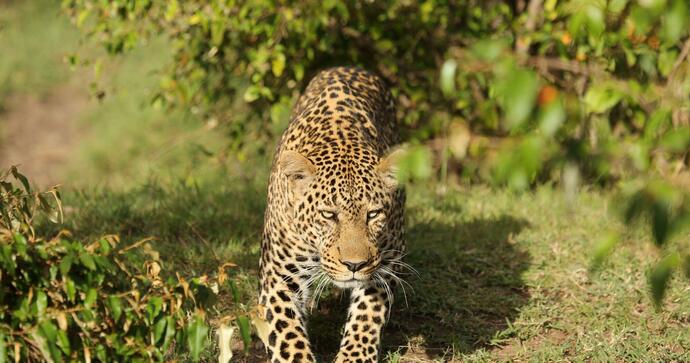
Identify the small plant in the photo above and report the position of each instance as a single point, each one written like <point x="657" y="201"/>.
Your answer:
<point x="64" y="300"/>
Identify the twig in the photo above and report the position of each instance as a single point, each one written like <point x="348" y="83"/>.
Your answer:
<point x="137" y="244"/>
<point x="532" y="12"/>
<point x="213" y="251"/>
<point x="683" y="54"/>
<point x="564" y="65"/>
<point x="522" y="45"/>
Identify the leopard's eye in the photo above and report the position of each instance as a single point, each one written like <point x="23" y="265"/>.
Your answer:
<point x="373" y="214"/>
<point x="328" y="214"/>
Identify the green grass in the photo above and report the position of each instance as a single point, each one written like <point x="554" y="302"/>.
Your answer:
<point x="502" y="276"/>
<point x="34" y="40"/>
<point x="130" y="140"/>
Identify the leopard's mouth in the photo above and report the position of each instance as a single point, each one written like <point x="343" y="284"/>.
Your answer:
<point x="348" y="284"/>
<point x="347" y="279"/>
<point x="351" y="280"/>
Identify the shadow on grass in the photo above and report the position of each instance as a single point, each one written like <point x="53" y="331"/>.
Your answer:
<point x="196" y="227"/>
<point x="470" y="285"/>
<point x="470" y="281"/>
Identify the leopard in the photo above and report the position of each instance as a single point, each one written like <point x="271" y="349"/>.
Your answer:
<point x="334" y="215"/>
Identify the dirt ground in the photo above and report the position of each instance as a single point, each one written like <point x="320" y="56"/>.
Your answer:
<point x="39" y="133"/>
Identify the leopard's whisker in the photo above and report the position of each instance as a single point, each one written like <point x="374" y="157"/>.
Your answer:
<point x="389" y="294"/>
<point x="400" y="281"/>
<point x="292" y="276"/>
<point x="323" y="283"/>
<point x="315" y="282"/>
<point x="308" y="284"/>
<point x="404" y="265"/>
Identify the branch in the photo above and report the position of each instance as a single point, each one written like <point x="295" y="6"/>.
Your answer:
<point x="681" y="58"/>
<point x="522" y="44"/>
<point x="565" y="65"/>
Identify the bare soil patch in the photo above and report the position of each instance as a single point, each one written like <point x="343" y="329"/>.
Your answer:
<point x="39" y="133"/>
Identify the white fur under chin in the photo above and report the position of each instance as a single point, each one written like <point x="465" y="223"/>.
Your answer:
<point x="348" y="284"/>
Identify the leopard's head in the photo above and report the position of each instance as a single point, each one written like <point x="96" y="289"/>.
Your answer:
<point x="343" y="206"/>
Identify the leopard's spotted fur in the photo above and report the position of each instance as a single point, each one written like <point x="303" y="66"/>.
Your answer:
<point x="334" y="214"/>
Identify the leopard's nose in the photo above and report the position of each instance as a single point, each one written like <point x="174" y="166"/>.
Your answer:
<point x="354" y="265"/>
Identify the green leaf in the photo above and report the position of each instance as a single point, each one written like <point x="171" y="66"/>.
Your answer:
<point x="91" y="297"/>
<point x="63" y="342"/>
<point x="252" y="93"/>
<point x="197" y="339"/>
<point x="50" y="334"/>
<point x="104" y="246"/>
<point x="115" y="306"/>
<point x="218" y="28"/>
<point x="595" y="19"/>
<point x="602" y="250"/>
<point x="636" y="205"/>
<point x="518" y="165"/>
<point x="616" y="6"/>
<point x="245" y="331"/>
<point x="661" y="222"/>
<point x="172" y="10"/>
<point x="278" y="64"/>
<point x="299" y="71"/>
<point x="159" y="329"/>
<point x="169" y="332"/>
<point x="657" y="121"/>
<point x="666" y="61"/>
<point x="23" y="312"/>
<point x="638" y="152"/>
<point x="21" y="245"/>
<point x="3" y="348"/>
<point x="660" y="275"/>
<point x="448" y="77"/>
<point x="677" y="140"/>
<point x="601" y="98"/>
<point x="70" y="289"/>
<point x="22" y="179"/>
<point x="517" y="93"/>
<point x="87" y="260"/>
<point x="675" y="22"/>
<point x="41" y="304"/>
<point x="101" y="353"/>
<point x="235" y="292"/>
<point x="415" y="164"/>
<point x="66" y="264"/>
<point x="488" y="49"/>
<point x="551" y="117"/>
<point x="154" y="307"/>
<point x="82" y="16"/>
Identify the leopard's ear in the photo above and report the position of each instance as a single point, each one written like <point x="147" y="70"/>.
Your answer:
<point x="389" y="166"/>
<point x="297" y="168"/>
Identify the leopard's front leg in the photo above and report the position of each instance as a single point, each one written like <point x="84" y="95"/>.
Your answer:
<point x="287" y="340"/>
<point x="365" y="319"/>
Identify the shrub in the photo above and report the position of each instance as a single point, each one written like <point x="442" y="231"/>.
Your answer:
<point x="591" y="81"/>
<point x="257" y="55"/>
<point x="64" y="300"/>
